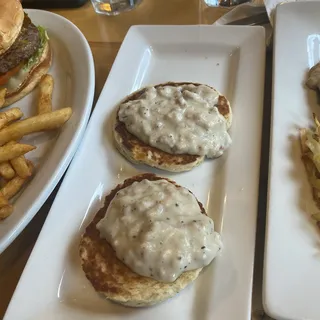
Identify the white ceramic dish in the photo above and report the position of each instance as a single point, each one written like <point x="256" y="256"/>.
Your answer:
<point x="231" y="59"/>
<point x="74" y="86"/>
<point x="292" y="261"/>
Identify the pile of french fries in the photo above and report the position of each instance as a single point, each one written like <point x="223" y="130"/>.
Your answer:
<point x="15" y="169"/>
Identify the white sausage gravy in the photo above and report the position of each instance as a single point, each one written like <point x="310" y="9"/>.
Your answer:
<point x="180" y="119"/>
<point x="158" y="230"/>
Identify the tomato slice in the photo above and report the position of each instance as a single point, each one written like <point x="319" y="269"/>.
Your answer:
<point x="5" y="77"/>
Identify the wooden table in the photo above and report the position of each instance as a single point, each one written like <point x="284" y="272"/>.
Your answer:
<point x="105" y="35"/>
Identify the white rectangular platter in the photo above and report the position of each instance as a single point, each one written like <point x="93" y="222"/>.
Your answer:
<point x="232" y="60"/>
<point x="291" y="287"/>
<point x="73" y="87"/>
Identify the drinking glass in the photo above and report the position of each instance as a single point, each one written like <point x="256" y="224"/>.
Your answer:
<point x="114" y="7"/>
<point x="224" y="3"/>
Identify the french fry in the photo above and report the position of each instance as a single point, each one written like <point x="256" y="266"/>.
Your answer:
<point x="45" y="95"/>
<point x="3" y="201"/>
<point x="12" y="187"/>
<point x="30" y="166"/>
<point x="9" y="116"/>
<point x="11" y="143"/>
<point x="20" y="166"/>
<point x="5" y="208"/>
<point x="3" y="92"/>
<point x="6" y="170"/>
<point x="2" y="183"/>
<point x="42" y="122"/>
<point x="11" y="151"/>
<point x="6" y="211"/>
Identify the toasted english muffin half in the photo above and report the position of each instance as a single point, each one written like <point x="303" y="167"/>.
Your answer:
<point x="112" y="278"/>
<point x="139" y="152"/>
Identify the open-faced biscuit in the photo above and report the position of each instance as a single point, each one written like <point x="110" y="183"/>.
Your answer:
<point x="112" y="278"/>
<point x="139" y="152"/>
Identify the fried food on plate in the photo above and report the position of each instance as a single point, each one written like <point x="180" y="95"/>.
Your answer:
<point x="6" y="170"/>
<point x="6" y="211"/>
<point x="313" y="81"/>
<point x="12" y="187"/>
<point x="43" y="122"/>
<point x="3" y="92"/>
<point x="15" y="169"/>
<point x="11" y="151"/>
<point x="45" y="94"/>
<point x="5" y="208"/>
<point x="25" y="54"/>
<point x="13" y="182"/>
<point x="3" y="201"/>
<point x="310" y="147"/>
<point x="21" y="167"/>
<point x="173" y="126"/>
<point x="146" y="277"/>
<point x="9" y="116"/>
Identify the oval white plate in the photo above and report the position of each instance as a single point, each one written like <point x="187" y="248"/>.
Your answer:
<point x="73" y="73"/>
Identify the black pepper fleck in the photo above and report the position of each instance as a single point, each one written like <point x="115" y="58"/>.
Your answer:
<point x="203" y="247"/>
<point x="179" y="258"/>
<point x="168" y="218"/>
<point x="185" y="267"/>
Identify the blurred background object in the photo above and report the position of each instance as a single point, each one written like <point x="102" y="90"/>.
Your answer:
<point x="114" y="7"/>
<point x="42" y="4"/>
<point x="224" y="3"/>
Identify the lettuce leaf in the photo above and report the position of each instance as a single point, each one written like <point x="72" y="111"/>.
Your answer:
<point x="36" y="56"/>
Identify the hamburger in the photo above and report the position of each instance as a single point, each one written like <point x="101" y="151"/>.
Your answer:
<point x="25" y="54"/>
